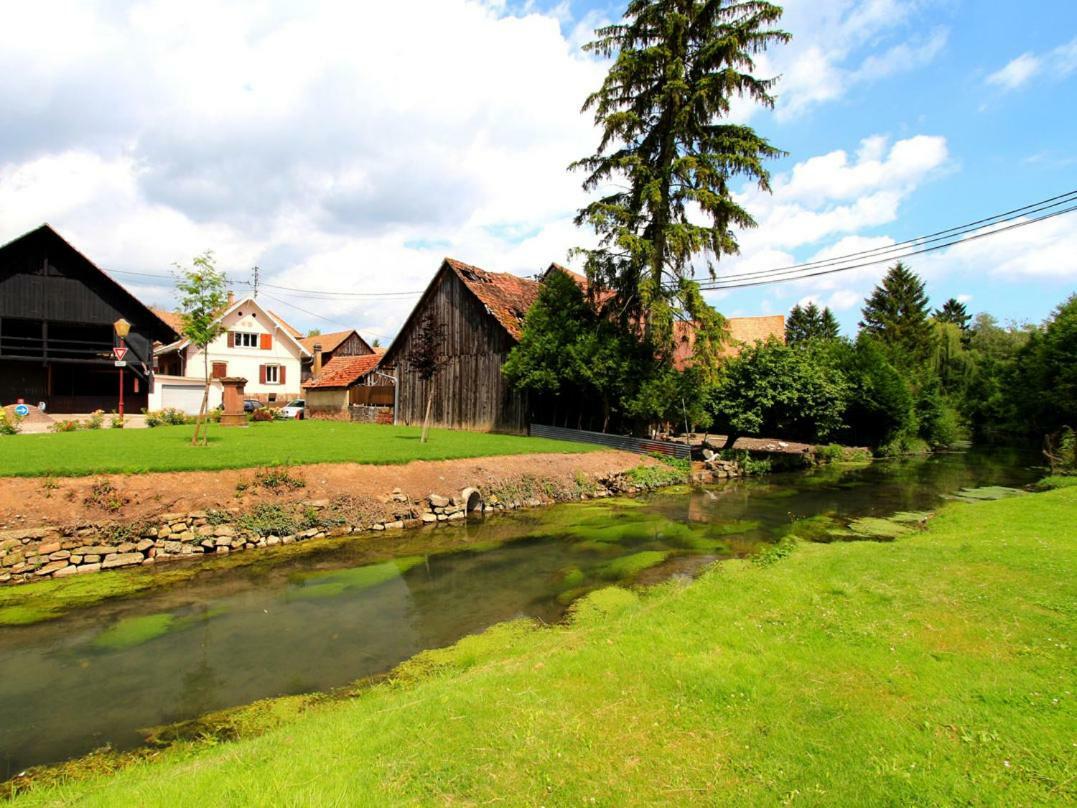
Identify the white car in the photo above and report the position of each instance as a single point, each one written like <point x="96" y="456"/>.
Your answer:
<point x="294" y="409"/>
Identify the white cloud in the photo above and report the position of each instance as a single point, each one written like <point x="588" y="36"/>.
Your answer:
<point x="1057" y="63"/>
<point x="1016" y="73"/>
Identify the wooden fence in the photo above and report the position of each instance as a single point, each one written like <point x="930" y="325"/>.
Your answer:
<point x="380" y="396"/>
<point x="625" y="442"/>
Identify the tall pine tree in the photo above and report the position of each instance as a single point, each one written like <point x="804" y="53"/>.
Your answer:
<point x="897" y="314"/>
<point x="954" y="311"/>
<point x="666" y="150"/>
<point x="807" y="323"/>
<point x="828" y="325"/>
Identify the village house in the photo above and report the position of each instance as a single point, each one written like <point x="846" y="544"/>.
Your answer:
<point x="324" y="347"/>
<point x="254" y="343"/>
<point x="58" y="327"/>
<point x="351" y="387"/>
<point x="481" y="314"/>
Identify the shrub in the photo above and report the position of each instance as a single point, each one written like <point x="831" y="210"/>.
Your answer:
<point x="96" y="420"/>
<point x="262" y="415"/>
<point x="269" y="520"/>
<point x="277" y="479"/>
<point x="9" y="427"/>
<point x="167" y="417"/>
<point x="1060" y="450"/>
<point x="831" y="453"/>
<point x="66" y="425"/>
<point x="117" y="421"/>
<point x="104" y="495"/>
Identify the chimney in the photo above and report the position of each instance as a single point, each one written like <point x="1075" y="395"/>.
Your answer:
<point x="231" y="298"/>
<point x="317" y="359"/>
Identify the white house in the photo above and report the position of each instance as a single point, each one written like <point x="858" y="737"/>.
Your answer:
<point x="254" y="343"/>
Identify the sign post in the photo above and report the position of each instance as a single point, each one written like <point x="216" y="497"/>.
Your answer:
<point x="120" y="351"/>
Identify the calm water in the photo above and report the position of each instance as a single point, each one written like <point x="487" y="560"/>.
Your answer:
<point x="293" y="624"/>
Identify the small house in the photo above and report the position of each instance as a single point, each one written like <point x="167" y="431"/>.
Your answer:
<point x="324" y="347"/>
<point x="253" y="343"/>
<point x="349" y="381"/>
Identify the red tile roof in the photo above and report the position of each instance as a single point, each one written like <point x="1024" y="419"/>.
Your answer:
<point x="344" y="371"/>
<point x="295" y="333"/>
<point x="506" y="296"/>
<point x="173" y="319"/>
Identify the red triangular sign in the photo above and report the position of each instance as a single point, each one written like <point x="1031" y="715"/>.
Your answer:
<point x="120" y="351"/>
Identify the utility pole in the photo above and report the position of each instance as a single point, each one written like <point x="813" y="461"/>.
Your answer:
<point x="255" y="271"/>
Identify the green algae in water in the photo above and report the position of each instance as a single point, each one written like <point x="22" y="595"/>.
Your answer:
<point x="334" y="583"/>
<point x="874" y="527"/>
<point x="988" y="493"/>
<point x="732" y="528"/>
<point x="132" y="631"/>
<point x="631" y="565"/>
<point x="820" y="527"/>
<point x="911" y="517"/>
<point x="572" y="577"/>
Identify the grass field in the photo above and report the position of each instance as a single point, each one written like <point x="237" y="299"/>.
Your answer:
<point x="169" y="448"/>
<point x="935" y="670"/>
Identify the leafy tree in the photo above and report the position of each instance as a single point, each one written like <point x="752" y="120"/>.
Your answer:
<point x="1046" y="371"/>
<point x="897" y="313"/>
<point x="882" y="409"/>
<point x="810" y="323"/>
<point x="954" y="311"/>
<point x="773" y="390"/>
<point x="670" y="158"/>
<point x="314" y="332"/>
<point x="376" y="343"/>
<point x="203" y="294"/>
<point x="426" y="361"/>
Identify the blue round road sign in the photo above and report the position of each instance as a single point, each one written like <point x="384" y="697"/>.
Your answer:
<point x="22" y="410"/>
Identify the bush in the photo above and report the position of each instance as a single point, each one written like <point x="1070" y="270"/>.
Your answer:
<point x="96" y="420"/>
<point x="117" y="421"/>
<point x="1060" y="450"/>
<point x="167" y="417"/>
<point x="277" y="479"/>
<point x="262" y="415"/>
<point x="66" y="425"/>
<point x="9" y="427"/>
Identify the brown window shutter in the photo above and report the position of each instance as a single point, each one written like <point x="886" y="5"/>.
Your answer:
<point x="261" y="374"/>
<point x="267" y="342"/>
<point x="231" y="339"/>
<point x="281" y="375"/>
<point x="220" y="370"/>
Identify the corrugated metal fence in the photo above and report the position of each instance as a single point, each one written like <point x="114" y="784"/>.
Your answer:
<point x="628" y="444"/>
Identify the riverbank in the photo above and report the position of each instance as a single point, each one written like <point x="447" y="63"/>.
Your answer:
<point x="933" y="669"/>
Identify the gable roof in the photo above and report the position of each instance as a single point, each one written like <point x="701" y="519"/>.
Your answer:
<point x="293" y="332"/>
<point x="506" y="296"/>
<point x="289" y="332"/>
<point x="156" y="328"/>
<point x="344" y="371"/>
<point x="331" y="341"/>
<point x="173" y="318"/>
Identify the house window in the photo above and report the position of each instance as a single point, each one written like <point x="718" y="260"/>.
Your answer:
<point x="220" y="370"/>
<point x="272" y="374"/>
<point x="246" y="339"/>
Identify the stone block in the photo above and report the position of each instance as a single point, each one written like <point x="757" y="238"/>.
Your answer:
<point x="437" y="501"/>
<point x="48" y="547"/>
<point x="121" y="560"/>
<point x="70" y="569"/>
<point x="52" y="567"/>
<point x="88" y="568"/>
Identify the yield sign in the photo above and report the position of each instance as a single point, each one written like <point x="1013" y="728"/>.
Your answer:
<point x="120" y="351"/>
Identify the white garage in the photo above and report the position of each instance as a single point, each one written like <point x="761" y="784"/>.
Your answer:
<point x="182" y="393"/>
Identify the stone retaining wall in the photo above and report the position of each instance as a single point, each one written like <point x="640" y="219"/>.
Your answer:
<point x="31" y="554"/>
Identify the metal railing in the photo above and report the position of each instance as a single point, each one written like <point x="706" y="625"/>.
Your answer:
<point x="623" y="442"/>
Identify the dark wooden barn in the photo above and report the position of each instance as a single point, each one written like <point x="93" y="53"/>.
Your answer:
<point x="481" y="315"/>
<point x="57" y="311"/>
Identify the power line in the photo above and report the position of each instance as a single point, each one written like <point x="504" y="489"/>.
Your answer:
<point x="949" y="233"/>
<point x="319" y="316"/>
<point x="739" y="284"/>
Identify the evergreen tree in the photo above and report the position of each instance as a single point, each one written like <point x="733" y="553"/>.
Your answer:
<point x="897" y="314"/>
<point x="954" y="311"/>
<point x="828" y="325"/>
<point x="808" y="323"/>
<point x="666" y="151"/>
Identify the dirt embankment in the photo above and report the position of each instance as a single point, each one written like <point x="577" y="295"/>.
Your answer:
<point x="29" y="502"/>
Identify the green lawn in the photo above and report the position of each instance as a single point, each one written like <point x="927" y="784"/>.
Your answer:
<point x="938" y="669"/>
<point x="168" y="448"/>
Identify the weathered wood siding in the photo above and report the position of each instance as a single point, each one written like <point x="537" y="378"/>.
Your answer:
<point x="470" y="391"/>
<point x="352" y="346"/>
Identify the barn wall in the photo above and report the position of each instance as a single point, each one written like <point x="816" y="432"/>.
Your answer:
<point x="470" y="392"/>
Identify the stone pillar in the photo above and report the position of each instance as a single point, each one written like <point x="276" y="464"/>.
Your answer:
<point x="233" y="414"/>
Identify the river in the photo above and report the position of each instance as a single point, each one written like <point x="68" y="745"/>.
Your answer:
<point x="294" y="623"/>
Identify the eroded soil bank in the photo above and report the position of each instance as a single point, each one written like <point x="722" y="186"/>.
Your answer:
<point x="52" y="501"/>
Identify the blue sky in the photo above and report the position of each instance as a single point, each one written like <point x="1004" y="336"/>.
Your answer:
<point x="345" y="159"/>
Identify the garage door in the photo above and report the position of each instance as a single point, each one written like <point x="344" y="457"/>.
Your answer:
<point x="184" y="397"/>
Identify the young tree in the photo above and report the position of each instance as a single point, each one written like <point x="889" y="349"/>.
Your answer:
<point x="203" y="294"/>
<point x="426" y="360"/>
<point x="897" y="313"/>
<point x="954" y="311"/>
<point x="670" y="159"/>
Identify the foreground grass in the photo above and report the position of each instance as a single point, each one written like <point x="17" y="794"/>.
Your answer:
<point x="937" y="669"/>
<point x="168" y="448"/>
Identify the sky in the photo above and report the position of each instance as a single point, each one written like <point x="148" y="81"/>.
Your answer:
<point x="344" y="148"/>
